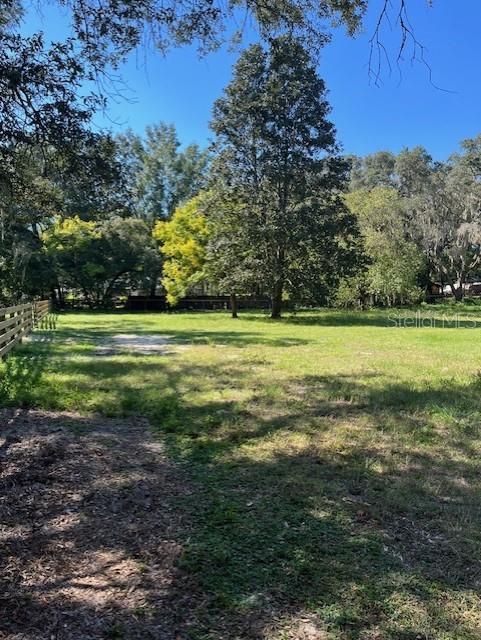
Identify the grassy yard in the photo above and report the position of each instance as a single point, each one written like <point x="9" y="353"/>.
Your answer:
<point x="335" y="460"/>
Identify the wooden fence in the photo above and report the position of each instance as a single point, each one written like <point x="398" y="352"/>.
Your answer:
<point x="194" y="303"/>
<point x="16" y="322"/>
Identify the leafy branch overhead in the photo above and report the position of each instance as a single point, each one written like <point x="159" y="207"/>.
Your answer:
<point x="107" y="30"/>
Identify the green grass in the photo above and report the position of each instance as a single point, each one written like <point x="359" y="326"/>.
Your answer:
<point x="335" y="459"/>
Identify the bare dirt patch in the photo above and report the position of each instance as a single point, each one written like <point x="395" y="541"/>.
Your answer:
<point x="147" y="344"/>
<point x="90" y="530"/>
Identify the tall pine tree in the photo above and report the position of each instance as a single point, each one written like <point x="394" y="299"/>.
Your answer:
<point x="277" y="161"/>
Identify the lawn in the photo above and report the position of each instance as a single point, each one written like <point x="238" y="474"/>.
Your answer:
<point x="334" y="460"/>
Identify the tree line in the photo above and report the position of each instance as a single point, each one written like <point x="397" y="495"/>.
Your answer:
<point x="420" y="220"/>
<point x="270" y="189"/>
<point x="412" y="228"/>
<point x="271" y="208"/>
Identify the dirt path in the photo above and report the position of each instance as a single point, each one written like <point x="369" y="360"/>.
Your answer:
<point x="149" y="344"/>
<point x="89" y="530"/>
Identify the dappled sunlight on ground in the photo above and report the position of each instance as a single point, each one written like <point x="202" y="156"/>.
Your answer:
<point x="334" y="468"/>
<point x="90" y="529"/>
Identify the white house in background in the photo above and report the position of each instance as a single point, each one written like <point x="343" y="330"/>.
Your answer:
<point x="470" y="289"/>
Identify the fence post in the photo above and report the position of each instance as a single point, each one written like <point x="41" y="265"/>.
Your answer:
<point x="3" y="316"/>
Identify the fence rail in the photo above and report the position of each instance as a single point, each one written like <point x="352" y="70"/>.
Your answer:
<point x="16" y="322"/>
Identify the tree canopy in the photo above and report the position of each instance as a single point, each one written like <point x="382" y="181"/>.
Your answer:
<point x="157" y="174"/>
<point x="98" y="257"/>
<point x="394" y="263"/>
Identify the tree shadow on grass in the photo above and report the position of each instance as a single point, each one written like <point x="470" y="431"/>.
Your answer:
<point x="340" y="506"/>
<point x="414" y="318"/>
<point x="364" y="515"/>
<point x="325" y="318"/>
<point x="104" y="538"/>
<point x="24" y="367"/>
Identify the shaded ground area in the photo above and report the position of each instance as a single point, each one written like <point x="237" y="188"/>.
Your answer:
<point x="89" y="530"/>
<point x="335" y="480"/>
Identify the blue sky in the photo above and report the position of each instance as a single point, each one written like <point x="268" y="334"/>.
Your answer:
<point x="405" y="111"/>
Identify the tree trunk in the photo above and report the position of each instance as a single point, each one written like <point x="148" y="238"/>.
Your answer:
<point x="276" y="300"/>
<point x="233" y="305"/>
<point x="458" y="292"/>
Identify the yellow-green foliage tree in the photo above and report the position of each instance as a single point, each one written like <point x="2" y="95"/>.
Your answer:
<point x="183" y="242"/>
<point x="99" y="258"/>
